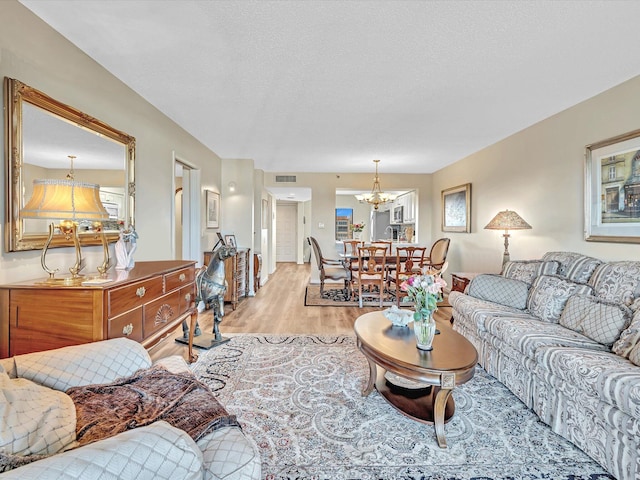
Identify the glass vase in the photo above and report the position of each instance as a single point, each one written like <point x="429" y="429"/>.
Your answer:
<point x="424" y="327"/>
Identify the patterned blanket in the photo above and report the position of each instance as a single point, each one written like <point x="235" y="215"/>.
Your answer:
<point x="147" y="396"/>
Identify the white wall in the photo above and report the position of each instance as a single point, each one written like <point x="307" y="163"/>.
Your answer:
<point x="539" y="173"/>
<point x="35" y="54"/>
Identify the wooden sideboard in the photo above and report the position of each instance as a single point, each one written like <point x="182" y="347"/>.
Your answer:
<point x="145" y="304"/>
<point x="236" y="273"/>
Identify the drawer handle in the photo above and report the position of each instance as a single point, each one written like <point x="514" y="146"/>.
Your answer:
<point x="182" y="277"/>
<point x="187" y="298"/>
<point x="141" y="291"/>
<point x="127" y="329"/>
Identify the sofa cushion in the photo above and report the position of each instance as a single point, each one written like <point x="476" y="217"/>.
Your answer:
<point x="618" y="282"/>
<point x="98" y="362"/>
<point x="574" y="266"/>
<point x="602" y="375"/>
<point x="596" y="318"/>
<point x="157" y="451"/>
<point x="528" y="270"/>
<point x="495" y="288"/>
<point x="527" y="335"/>
<point x="629" y="339"/>
<point x="549" y="294"/>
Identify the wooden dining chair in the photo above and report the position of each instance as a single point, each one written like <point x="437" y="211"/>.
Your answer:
<point x="351" y="253"/>
<point x="329" y="268"/>
<point x="409" y="261"/>
<point x="438" y="254"/>
<point x="371" y="273"/>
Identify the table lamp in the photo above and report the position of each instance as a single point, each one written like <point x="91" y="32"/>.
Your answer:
<point x="507" y="220"/>
<point x="67" y="201"/>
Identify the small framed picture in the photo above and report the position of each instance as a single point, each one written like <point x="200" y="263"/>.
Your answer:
<point x="230" y="241"/>
<point x="456" y="209"/>
<point x="213" y="209"/>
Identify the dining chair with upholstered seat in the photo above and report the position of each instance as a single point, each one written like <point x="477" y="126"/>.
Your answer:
<point x="329" y="268"/>
<point x="438" y="254"/>
<point x="371" y="273"/>
<point x="409" y="261"/>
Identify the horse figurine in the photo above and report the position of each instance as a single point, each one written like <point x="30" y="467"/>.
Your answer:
<point x="210" y="289"/>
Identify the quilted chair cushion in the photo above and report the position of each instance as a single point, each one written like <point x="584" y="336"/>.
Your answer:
<point x="574" y="266"/>
<point x="598" y="319"/>
<point x="618" y="282"/>
<point x="549" y="295"/>
<point x="155" y="452"/>
<point x="98" y="362"/>
<point x="35" y="419"/>
<point x="229" y="454"/>
<point x="498" y="289"/>
<point x="528" y="335"/>
<point x="600" y="375"/>
<point x="528" y="270"/>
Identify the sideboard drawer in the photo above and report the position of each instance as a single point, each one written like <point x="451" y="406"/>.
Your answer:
<point x="161" y="312"/>
<point x="179" y="278"/>
<point x="127" y="325"/>
<point x="131" y="296"/>
<point x="187" y="297"/>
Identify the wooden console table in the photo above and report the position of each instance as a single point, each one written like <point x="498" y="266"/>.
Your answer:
<point x="145" y="304"/>
<point x="236" y="273"/>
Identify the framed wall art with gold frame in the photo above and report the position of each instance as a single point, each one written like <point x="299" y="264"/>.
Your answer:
<point x="612" y="189"/>
<point x="456" y="209"/>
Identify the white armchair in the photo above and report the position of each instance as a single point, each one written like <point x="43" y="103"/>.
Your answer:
<point x="157" y="451"/>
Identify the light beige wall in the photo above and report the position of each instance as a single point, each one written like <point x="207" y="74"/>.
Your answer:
<point x="539" y="173"/>
<point x="35" y="54"/>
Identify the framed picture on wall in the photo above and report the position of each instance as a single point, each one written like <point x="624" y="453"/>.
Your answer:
<point x="213" y="209"/>
<point x="456" y="209"/>
<point x="230" y="241"/>
<point x="612" y="189"/>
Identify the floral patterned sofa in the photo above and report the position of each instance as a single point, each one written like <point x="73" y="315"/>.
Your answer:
<point x="39" y="419"/>
<point x="563" y="334"/>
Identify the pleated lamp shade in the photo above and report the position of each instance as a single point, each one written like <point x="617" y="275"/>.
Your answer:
<point x="65" y="199"/>
<point x="507" y="220"/>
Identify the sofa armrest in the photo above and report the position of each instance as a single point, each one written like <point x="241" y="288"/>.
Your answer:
<point x="157" y="451"/>
<point x="98" y="362"/>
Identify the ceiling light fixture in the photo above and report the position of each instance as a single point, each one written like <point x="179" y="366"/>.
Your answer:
<point x="377" y="196"/>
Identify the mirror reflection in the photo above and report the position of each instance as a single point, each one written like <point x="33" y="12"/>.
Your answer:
<point x="43" y="135"/>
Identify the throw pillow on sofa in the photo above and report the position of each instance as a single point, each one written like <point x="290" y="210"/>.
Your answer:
<point x="618" y="282"/>
<point x="528" y="270"/>
<point x="549" y="295"/>
<point x="629" y="341"/>
<point x="595" y="318"/>
<point x="498" y="289"/>
<point x="574" y="266"/>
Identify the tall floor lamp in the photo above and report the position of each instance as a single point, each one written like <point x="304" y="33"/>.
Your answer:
<point x="507" y="220"/>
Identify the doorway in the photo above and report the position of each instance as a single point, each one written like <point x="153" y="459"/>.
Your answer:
<point x="286" y="231"/>
<point x="186" y="218"/>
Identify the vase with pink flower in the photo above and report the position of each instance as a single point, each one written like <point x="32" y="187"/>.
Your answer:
<point x="357" y="229"/>
<point x="425" y="291"/>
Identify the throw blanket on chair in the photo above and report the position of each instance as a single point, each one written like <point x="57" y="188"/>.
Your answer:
<point x="147" y="396"/>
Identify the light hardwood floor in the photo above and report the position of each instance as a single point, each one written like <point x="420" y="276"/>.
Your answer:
<point x="277" y="308"/>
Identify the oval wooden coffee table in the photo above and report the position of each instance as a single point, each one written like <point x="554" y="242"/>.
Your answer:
<point x="417" y="383"/>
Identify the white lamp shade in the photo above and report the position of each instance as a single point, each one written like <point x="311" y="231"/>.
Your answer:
<point x="65" y="199"/>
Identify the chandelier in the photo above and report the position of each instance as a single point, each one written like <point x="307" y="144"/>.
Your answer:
<point x="377" y="196"/>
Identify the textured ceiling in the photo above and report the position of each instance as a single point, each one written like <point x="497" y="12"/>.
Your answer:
<point x="327" y="86"/>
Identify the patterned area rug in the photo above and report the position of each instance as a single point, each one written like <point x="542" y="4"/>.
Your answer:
<point x="299" y="398"/>
<point x="339" y="297"/>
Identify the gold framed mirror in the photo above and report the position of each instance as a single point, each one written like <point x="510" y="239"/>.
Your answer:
<point x="41" y="135"/>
